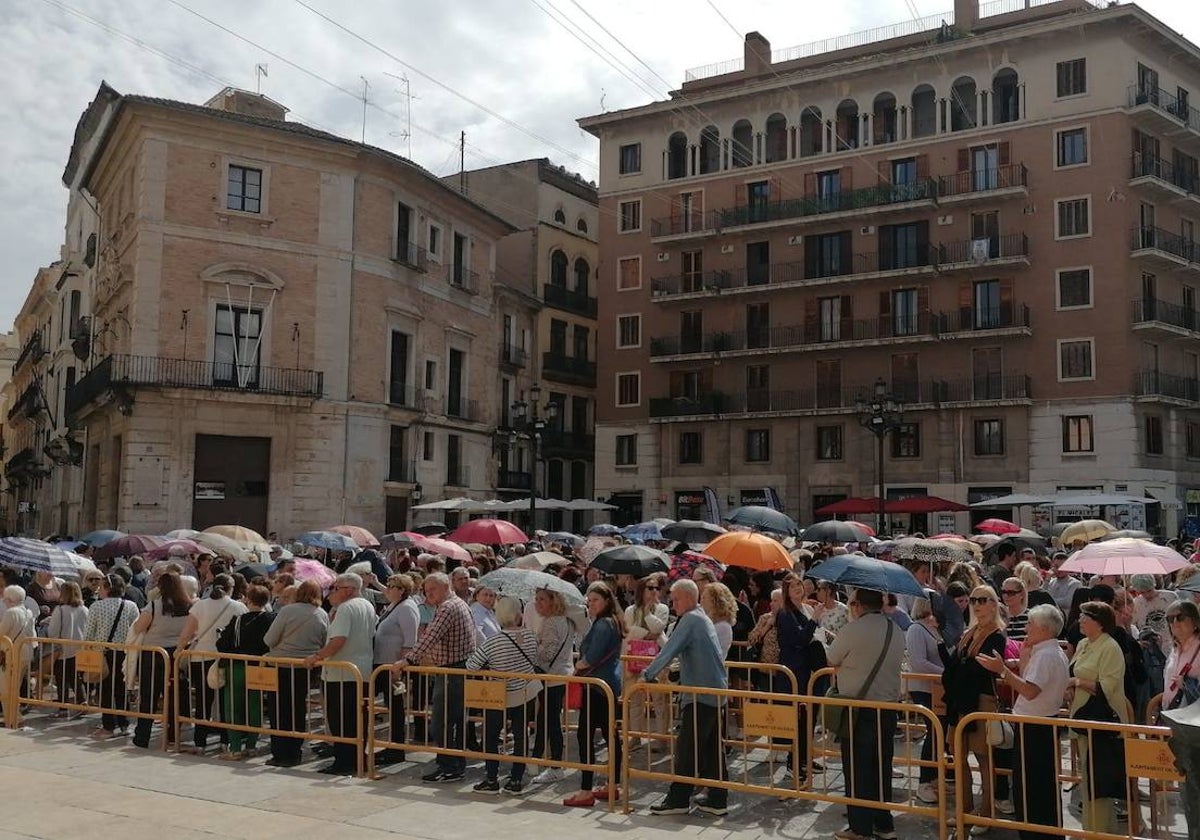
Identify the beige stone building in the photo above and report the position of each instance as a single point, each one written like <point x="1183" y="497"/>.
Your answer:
<point x="287" y="329"/>
<point x="548" y="328"/>
<point x="993" y="215"/>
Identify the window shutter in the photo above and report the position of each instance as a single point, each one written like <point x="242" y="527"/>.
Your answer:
<point x="810" y="184"/>
<point x="811" y="250"/>
<point x="885" y="172"/>
<point x="885" y="314"/>
<point x="846" y="241"/>
<point x="923" y="242"/>
<point x="847" y="324"/>
<point x="922" y="166"/>
<point x="812" y="326"/>
<point x="1004" y="153"/>
<point x="966" y="296"/>
<point x="886" y="239"/>
<point x="964" y="160"/>
<point x="1006" y="303"/>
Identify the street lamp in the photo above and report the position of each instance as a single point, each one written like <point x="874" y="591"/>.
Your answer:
<point x="881" y="414"/>
<point x="529" y="417"/>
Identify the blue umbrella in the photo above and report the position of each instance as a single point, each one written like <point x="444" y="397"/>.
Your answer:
<point x="563" y="537"/>
<point x="327" y="539"/>
<point x="859" y="572"/>
<point x="762" y="518"/>
<point x="36" y="556"/>
<point x="604" y="529"/>
<point x="643" y="531"/>
<point x="96" y="539"/>
<point x="69" y="545"/>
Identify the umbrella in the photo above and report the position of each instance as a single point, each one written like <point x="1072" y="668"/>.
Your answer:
<point x="524" y="583"/>
<point x="1135" y="535"/>
<point x="604" y="529"/>
<point x="692" y="531"/>
<point x="1124" y="556"/>
<point x="833" y="531"/>
<point x="538" y="560"/>
<point x="29" y="555"/>
<point x="563" y="538"/>
<point x="763" y="519"/>
<point x="933" y="551"/>
<point x="454" y="551"/>
<point x="99" y="538"/>
<point x="176" y="547"/>
<point x="922" y="504"/>
<point x="643" y="531"/>
<point x="401" y="539"/>
<point x="447" y="504"/>
<point x="128" y="546"/>
<point x="636" y="560"/>
<point x="180" y="534"/>
<point x="68" y="545"/>
<point x="685" y="563"/>
<point x="593" y="546"/>
<point x="961" y="542"/>
<point x="853" y="506"/>
<point x="219" y="545"/>
<point x="1085" y="530"/>
<point x="314" y="570"/>
<point x="328" y="540"/>
<point x="488" y="532"/>
<point x="253" y="570"/>
<point x="430" y="528"/>
<point x="862" y="526"/>
<point x="359" y="568"/>
<point x="749" y="550"/>
<point x="997" y="526"/>
<point x="984" y="539"/>
<point x="240" y="534"/>
<point x="859" y="572"/>
<point x="361" y="536"/>
<point x="1012" y="500"/>
<point x="1020" y="543"/>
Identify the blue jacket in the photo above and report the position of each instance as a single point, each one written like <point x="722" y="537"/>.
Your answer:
<point x="694" y="643"/>
<point x="795" y="631"/>
<point x="603" y="640"/>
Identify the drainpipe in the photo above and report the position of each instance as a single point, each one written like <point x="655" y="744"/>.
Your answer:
<point x="349" y="351"/>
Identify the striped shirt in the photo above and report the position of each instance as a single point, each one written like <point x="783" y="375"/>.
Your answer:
<point x="509" y="650"/>
<point x="1015" y="627"/>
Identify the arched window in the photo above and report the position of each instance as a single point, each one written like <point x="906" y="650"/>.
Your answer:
<point x="812" y="131"/>
<point x="963" y="102"/>
<point x="777" y="139"/>
<point x="847" y="125"/>
<point x="583" y="273"/>
<point x="560" y="216"/>
<point x="710" y="150"/>
<point x="558" y="269"/>
<point x="677" y="153"/>
<point x="924" y="107"/>
<point x="581" y="225"/>
<point x="743" y="144"/>
<point x="883" y="119"/>
<point x="1006" y="99"/>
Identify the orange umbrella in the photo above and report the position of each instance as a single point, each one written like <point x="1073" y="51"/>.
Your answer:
<point x="750" y="550"/>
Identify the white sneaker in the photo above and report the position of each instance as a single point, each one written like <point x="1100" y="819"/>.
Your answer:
<point x="927" y="793"/>
<point x="548" y="776"/>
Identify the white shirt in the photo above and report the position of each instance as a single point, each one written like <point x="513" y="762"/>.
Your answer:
<point x="353" y="620"/>
<point x="1049" y="670"/>
<point x="212" y="615"/>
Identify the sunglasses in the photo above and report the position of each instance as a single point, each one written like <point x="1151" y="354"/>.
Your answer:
<point x="1177" y="617"/>
<point x="1012" y="591"/>
<point x="980" y="601"/>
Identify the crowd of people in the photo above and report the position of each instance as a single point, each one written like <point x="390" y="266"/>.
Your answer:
<point x="1015" y="634"/>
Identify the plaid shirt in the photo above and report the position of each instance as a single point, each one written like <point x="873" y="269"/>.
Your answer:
<point x="449" y="638"/>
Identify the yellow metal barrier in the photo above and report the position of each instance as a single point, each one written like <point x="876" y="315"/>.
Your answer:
<point x="484" y="691"/>
<point x="9" y="680"/>
<point x="779" y="717"/>
<point x="258" y="688"/>
<point x="95" y="679"/>
<point x="1044" y="751"/>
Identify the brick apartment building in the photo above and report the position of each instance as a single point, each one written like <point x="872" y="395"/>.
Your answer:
<point x="991" y="212"/>
<point x="282" y="328"/>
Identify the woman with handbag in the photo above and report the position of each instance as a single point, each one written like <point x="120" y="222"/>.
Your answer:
<point x="1097" y="692"/>
<point x="207" y="618"/>
<point x="161" y="623"/>
<point x="646" y="620"/>
<point x="1180" y="684"/>
<point x="244" y="635"/>
<point x="554" y="652"/>
<point x="299" y="630"/>
<point x="796" y="631"/>
<point x="599" y="656"/>
<point x="971" y="688"/>
<point x="110" y="619"/>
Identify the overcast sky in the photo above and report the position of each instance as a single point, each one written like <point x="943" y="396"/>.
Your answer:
<point x="509" y="57"/>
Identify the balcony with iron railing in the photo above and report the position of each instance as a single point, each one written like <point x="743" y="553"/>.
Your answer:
<point x="512" y="355"/>
<point x="458" y="475"/>
<point x="1164" y="112"/>
<point x="404" y="395"/>
<point x="462" y="278"/>
<point x="514" y="480"/>
<point x="569" y="300"/>
<point x="1010" y="179"/>
<point x="568" y="369"/>
<point x="1158" y="314"/>
<point x="1164" y="177"/>
<point x="1000" y="316"/>
<point x="412" y="255"/>
<point x="566" y="442"/>
<point x="157" y="372"/>
<point x="1154" y="383"/>
<point x="461" y="408"/>
<point x="29" y="403"/>
<point x="1163" y="248"/>
<point x="1006" y="249"/>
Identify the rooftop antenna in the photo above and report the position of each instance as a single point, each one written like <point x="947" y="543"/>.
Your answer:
<point x="462" y="163"/>
<point x="366" y="87"/>
<point x="408" y="98"/>
<point x="603" y="93"/>
<point x="260" y="73"/>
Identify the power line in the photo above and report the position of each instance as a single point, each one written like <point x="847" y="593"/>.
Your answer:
<point x="721" y="15"/>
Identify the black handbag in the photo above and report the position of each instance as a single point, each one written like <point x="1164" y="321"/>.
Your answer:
<point x="1096" y="708"/>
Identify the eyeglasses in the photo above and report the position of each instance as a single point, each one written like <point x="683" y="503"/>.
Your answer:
<point x="980" y="601"/>
<point x="1177" y="617"/>
<point x="1012" y="591"/>
<point x="653" y="588"/>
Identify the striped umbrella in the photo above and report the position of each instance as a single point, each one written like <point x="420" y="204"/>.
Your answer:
<point x="36" y="556"/>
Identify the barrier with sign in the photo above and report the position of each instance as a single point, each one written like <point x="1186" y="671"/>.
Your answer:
<point x="456" y="729"/>
<point x="268" y="696"/>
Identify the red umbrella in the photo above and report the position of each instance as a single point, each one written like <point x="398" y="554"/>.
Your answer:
<point x="868" y="504"/>
<point x="923" y="504"/>
<point x="454" y="551"/>
<point x="864" y="526"/>
<point x="127" y="546"/>
<point x="488" y="532"/>
<point x="997" y="526"/>
<point x="176" y="547"/>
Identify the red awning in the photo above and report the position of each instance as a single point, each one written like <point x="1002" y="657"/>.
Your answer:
<point x="850" y="506"/>
<point x="922" y="504"/>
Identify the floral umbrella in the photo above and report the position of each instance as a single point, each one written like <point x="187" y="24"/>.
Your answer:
<point x="685" y="563"/>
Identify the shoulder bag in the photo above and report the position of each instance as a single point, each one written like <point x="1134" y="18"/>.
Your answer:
<point x="133" y="658"/>
<point x="833" y="717"/>
<point x="575" y="689"/>
<point x="215" y="675"/>
<point x="98" y="675"/>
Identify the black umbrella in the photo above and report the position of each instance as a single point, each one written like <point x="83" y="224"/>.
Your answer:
<point x="692" y="532"/>
<point x="636" y="560"/>
<point x="762" y="518"/>
<point x="1019" y="543"/>
<point x="430" y="528"/>
<point x="253" y="570"/>
<point x="834" y="531"/>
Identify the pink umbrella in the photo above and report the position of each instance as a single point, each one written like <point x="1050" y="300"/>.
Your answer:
<point x="362" y="536"/>
<point x="454" y="551"/>
<point x="127" y="546"/>
<point x="315" y="571"/>
<point x="488" y="532"/>
<point x="997" y="526"/>
<point x="1125" y="556"/>
<point x="175" y="547"/>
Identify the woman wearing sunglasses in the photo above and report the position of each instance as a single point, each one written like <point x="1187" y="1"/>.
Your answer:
<point x="646" y="620"/>
<point x="972" y="688"/>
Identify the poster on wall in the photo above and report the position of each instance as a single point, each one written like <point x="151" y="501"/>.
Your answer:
<point x="211" y="491"/>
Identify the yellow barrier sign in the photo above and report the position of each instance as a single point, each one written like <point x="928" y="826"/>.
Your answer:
<point x="483" y="694"/>
<point x="1150" y="760"/>
<point x="769" y="719"/>
<point x="89" y="661"/>
<point x="262" y="678"/>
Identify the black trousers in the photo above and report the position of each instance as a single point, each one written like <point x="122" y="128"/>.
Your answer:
<point x="868" y="751"/>
<point x="203" y="700"/>
<point x="1035" y="776"/>
<point x="289" y="711"/>
<point x="699" y="752"/>
<point x="593" y="716"/>
<point x="152" y="686"/>
<point x="342" y="716"/>
<point x="66" y="677"/>
<point x="395" y="702"/>
<point x="112" y="691"/>
<point x="548" y="730"/>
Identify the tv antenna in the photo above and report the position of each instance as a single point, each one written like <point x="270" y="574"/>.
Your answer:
<point x="260" y="73"/>
<point x="407" y="93"/>
<point x="366" y="87"/>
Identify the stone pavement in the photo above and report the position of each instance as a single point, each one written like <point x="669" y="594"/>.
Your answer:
<point x="65" y="785"/>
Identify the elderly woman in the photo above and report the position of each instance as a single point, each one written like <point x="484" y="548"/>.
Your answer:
<point x="554" y="651"/>
<point x="67" y="621"/>
<point x="829" y="612"/>
<point x="18" y="623"/>
<point x="1039" y="682"/>
<point x="483" y="613"/>
<point x="512" y="649"/>
<point x="924" y="644"/>
<point x="395" y="636"/>
<point x="244" y="635"/>
<point x="110" y="619"/>
<point x="206" y="619"/>
<point x="765" y="637"/>
<point x="162" y="622"/>
<point x="1183" y="620"/>
<point x="1016" y="606"/>
<point x="970" y="688"/>
<point x="1098" y="681"/>
<point x="299" y="630"/>
<point x="646" y="619"/>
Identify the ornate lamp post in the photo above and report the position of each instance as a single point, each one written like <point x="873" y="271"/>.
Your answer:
<point x="532" y="418"/>
<point x="881" y="414"/>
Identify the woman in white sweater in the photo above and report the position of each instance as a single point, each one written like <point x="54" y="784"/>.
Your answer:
<point x="646" y="619"/>
<point x="67" y="621"/>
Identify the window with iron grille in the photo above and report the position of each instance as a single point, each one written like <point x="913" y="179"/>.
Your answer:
<point x="1075" y="359"/>
<point x="829" y="443"/>
<point x="629" y="331"/>
<point x="631" y="158"/>
<point x="1074" y="288"/>
<point x="1071" y="146"/>
<point x="629" y="214"/>
<point x="629" y="389"/>
<point x="1153" y="433"/>
<point x="1073" y="217"/>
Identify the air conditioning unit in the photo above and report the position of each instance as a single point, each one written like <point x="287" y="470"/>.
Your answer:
<point x="796" y="240"/>
<point x="867" y="230"/>
<point x="726" y="249"/>
<point x="663" y="256"/>
<point x="945" y="220"/>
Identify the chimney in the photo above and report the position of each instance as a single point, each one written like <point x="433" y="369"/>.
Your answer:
<point x="758" y="54"/>
<point x="966" y="15"/>
<point x="244" y="102"/>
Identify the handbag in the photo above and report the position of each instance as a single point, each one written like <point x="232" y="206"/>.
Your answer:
<point x="639" y="647"/>
<point x="99" y="674"/>
<point x="133" y="663"/>
<point x="215" y="675"/>
<point x="833" y="717"/>
<point x="575" y="689"/>
<point x="1096" y="708"/>
<point x="999" y="733"/>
